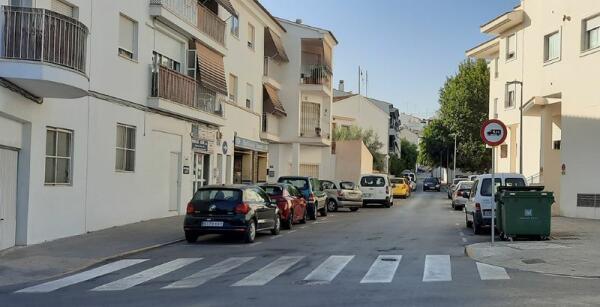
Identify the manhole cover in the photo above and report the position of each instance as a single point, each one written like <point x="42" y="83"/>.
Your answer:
<point x="533" y="261"/>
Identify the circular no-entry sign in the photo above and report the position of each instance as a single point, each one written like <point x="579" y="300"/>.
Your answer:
<point x="493" y="132"/>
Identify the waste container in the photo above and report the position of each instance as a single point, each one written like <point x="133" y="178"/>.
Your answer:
<point x="524" y="211"/>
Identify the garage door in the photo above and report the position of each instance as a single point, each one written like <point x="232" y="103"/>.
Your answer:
<point x="8" y="197"/>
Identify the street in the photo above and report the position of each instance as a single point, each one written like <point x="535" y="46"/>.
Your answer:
<point x="409" y="255"/>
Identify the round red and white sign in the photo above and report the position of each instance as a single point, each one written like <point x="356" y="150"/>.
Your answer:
<point x="493" y="132"/>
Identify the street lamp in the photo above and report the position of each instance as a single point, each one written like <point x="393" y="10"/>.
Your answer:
<point x="520" y="83"/>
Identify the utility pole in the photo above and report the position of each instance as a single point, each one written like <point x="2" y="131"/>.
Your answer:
<point x="454" y="167"/>
<point x="367" y="83"/>
<point x="359" y="76"/>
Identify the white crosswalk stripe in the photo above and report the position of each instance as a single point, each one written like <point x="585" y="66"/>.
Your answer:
<point x="269" y="272"/>
<point x="209" y="273"/>
<point x="81" y="277"/>
<point x="437" y="268"/>
<point x="144" y="276"/>
<point x="329" y="269"/>
<point x="491" y="272"/>
<point x="382" y="270"/>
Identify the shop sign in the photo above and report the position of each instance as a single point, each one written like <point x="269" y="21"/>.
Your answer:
<point x="252" y="145"/>
<point x="200" y="145"/>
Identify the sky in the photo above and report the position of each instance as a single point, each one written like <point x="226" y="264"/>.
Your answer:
<point x="408" y="47"/>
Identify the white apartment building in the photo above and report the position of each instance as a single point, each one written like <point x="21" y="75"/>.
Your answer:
<point x="543" y="59"/>
<point x="297" y="115"/>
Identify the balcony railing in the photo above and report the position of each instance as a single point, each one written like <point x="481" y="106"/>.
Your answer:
<point x="41" y="35"/>
<point x="197" y="15"/>
<point x="176" y="87"/>
<point x="315" y="74"/>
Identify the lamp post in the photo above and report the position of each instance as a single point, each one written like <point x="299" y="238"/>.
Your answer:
<point x="520" y="83"/>
<point x="454" y="166"/>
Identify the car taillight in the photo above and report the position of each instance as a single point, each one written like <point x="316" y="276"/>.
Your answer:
<point x="242" y="208"/>
<point x="190" y="208"/>
<point x="477" y="207"/>
<point x="387" y="190"/>
<point x="311" y="197"/>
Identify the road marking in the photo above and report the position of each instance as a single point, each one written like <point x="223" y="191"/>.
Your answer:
<point x="382" y="270"/>
<point x="269" y="272"/>
<point x="491" y="272"/>
<point x="146" y="275"/>
<point x="209" y="273"/>
<point x="291" y="231"/>
<point x="437" y="268"/>
<point x="303" y="227"/>
<point x="81" y="277"/>
<point x="464" y="240"/>
<point x="329" y="269"/>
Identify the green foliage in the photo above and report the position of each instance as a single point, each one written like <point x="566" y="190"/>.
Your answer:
<point x="407" y="159"/>
<point x="464" y="102"/>
<point x="369" y="138"/>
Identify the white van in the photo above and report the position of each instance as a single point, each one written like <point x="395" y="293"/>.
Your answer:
<point x="376" y="188"/>
<point x="478" y="207"/>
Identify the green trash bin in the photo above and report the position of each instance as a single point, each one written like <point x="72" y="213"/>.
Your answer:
<point x="524" y="212"/>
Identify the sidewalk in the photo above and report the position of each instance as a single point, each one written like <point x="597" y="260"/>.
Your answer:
<point x="574" y="250"/>
<point x="46" y="260"/>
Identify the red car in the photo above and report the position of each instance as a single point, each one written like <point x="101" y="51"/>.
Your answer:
<point x="291" y="204"/>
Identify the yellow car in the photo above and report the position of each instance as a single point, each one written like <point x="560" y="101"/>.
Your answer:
<point x="400" y="188"/>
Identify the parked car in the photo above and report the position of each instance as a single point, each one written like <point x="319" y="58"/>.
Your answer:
<point x="400" y="187"/>
<point x="431" y="184"/>
<point x="291" y="204"/>
<point x="410" y="175"/>
<point x="342" y="194"/>
<point x="376" y="188"/>
<point x="310" y="188"/>
<point x="461" y="190"/>
<point x="227" y="209"/>
<point x="452" y="187"/>
<point x="473" y="177"/>
<point x="478" y="207"/>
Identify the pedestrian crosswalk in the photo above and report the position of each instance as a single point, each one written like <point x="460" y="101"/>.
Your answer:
<point x="382" y="270"/>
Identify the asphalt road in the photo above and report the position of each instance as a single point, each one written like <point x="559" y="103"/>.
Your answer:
<point x="409" y="255"/>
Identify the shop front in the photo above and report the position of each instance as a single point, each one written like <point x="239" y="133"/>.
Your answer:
<point x="203" y="147"/>
<point x="250" y="161"/>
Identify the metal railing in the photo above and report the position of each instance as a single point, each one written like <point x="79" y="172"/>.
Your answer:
<point x="41" y="35"/>
<point x="315" y="74"/>
<point x="197" y="15"/>
<point x="310" y="121"/>
<point x="534" y="179"/>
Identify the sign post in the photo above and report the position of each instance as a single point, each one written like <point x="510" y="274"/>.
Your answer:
<point x="493" y="133"/>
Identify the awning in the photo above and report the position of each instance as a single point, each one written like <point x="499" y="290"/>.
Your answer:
<point x="211" y="69"/>
<point x="274" y="46"/>
<point x="272" y="103"/>
<point x="226" y="4"/>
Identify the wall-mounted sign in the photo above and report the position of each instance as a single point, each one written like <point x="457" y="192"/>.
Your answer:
<point x="252" y="145"/>
<point x="186" y="170"/>
<point x="200" y="145"/>
<point x="225" y="147"/>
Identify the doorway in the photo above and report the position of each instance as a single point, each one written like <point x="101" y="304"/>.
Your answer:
<point x="201" y="171"/>
<point x="8" y="197"/>
<point x="174" y="181"/>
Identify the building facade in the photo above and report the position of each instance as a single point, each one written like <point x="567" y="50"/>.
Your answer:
<point x="543" y="58"/>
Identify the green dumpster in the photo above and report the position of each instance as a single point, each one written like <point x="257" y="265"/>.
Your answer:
<point x="524" y="211"/>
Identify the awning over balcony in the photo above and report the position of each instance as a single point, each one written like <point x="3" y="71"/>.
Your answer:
<point x="274" y="46"/>
<point x="211" y="69"/>
<point x="272" y="103"/>
<point x="226" y="4"/>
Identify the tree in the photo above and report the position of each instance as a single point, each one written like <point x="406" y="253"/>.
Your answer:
<point x="407" y="159"/>
<point x="434" y="143"/>
<point x="369" y="138"/>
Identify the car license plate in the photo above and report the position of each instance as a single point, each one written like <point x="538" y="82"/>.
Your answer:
<point x="212" y="224"/>
<point x="366" y="195"/>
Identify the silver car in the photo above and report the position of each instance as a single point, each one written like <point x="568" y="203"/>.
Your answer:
<point x="342" y="194"/>
<point x="458" y="199"/>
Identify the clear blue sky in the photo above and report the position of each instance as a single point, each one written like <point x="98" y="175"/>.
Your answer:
<point x="407" y="46"/>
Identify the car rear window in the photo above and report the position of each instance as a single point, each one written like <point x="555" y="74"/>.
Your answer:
<point x="398" y="181"/>
<point x="431" y="180"/>
<point x="346" y="185"/>
<point x="218" y="194"/>
<point x="466" y="186"/>
<point x="514" y="182"/>
<point x="372" y="181"/>
<point x="273" y="190"/>
<point x="299" y="183"/>
<point x="486" y="186"/>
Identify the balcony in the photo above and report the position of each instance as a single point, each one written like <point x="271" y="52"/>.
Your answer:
<point x="43" y="52"/>
<point x="270" y="72"/>
<point x="314" y="130"/>
<point x="177" y="93"/>
<point x="192" y="18"/>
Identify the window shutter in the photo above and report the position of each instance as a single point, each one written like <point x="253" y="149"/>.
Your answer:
<point x="126" y="33"/>
<point x="592" y="23"/>
<point x="62" y="8"/>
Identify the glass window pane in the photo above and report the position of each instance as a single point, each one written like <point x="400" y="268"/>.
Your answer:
<point x="130" y="161"/>
<point x="51" y="143"/>
<point x="49" y="178"/>
<point x="63" y="170"/>
<point x="120" y="136"/>
<point x="64" y="144"/>
<point x="130" y="138"/>
<point x="120" y="160"/>
<point x="594" y="39"/>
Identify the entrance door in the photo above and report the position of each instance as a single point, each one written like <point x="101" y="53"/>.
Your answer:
<point x="174" y="181"/>
<point x="8" y="197"/>
<point x="201" y="170"/>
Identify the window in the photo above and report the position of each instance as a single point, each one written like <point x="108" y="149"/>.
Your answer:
<point x="504" y="151"/>
<point x="511" y="47"/>
<point x="552" y="46"/>
<point x="372" y="181"/>
<point x="235" y="26"/>
<point x="496" y="74"/>
<point x="64" y="8"/>
<point x="310" y="119"/>
<point x="125" y="160"/>
<point x="328" y="185"/>
<point x="165" y="61"/>
<point x="127" y="37"/>
<point x="251" y="36"/>
<point x="59" y="144"/>
<point x="21" y="3"/>
<point x="556" y="145"/>
<point x="591" y="26"/>
<point x="233" y="85"/>
<point x="249" y="96"/>
<point x="510" y="99"/>
<point x="486" y="186"/>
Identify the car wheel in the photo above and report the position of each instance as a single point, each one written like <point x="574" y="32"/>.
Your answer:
<point x="250" y="234"/>
<point x="304" y="217"/>
<point x="468" y="223"/>
<point x="313" y="212"/>
<point x="288" y="224"/>
<point x="191" y="237"/>
<point x="277" y="228"/>
<point x="387" y="205"/>
<point x="332" y="206"/>
<point x="353" y="209"/>
<point x="476" y="227"/>
<point x="323" y="211"/>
